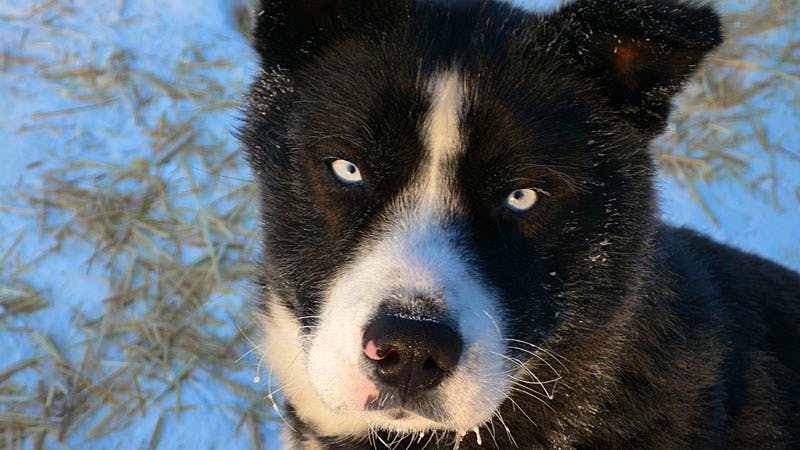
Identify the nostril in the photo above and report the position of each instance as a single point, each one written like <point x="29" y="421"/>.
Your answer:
<point x="371" y="350"/>
<point x="373" y="353"/>
<point x="430" y="364"/>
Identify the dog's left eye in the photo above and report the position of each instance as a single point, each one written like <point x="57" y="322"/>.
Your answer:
<point x="521" y="200"/>
<point x="346" y="172"/>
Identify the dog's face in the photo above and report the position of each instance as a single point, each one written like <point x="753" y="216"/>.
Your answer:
<point x="450" y="189"/>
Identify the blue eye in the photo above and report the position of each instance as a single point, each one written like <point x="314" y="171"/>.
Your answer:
<point x="521" y="200"/>
<point x="346" y="172"/>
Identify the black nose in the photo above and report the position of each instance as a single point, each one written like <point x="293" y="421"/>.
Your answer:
<point x="411" y="354"/>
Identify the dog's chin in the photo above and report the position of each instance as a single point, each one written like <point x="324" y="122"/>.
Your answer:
<point x="401" y="421"/>
<point x="441" y="410"/>
<point x="386" y="411"/>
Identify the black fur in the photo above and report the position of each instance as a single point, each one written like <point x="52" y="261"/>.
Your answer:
<point x="667" y="339"/>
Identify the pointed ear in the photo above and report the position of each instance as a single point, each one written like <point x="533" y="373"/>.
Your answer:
<point x="290" y="32"/>
<point x="639" y="52"/>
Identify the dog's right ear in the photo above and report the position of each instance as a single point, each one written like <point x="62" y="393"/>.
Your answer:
<point x="638" y="52"/>
<point x="289" y="33"/>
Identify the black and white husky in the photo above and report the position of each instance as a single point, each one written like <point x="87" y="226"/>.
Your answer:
<point x="461" y="244"/>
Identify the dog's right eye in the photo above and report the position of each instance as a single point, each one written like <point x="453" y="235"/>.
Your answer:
<point x="521" y="200"/>
<point x="346" y="172"/>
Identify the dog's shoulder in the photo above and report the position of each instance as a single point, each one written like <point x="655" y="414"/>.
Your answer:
<point x="752" y="288"/>
<point x="750" y="308"/>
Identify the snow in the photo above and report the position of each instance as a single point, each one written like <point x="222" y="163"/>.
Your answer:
<point x="159" y="35"/>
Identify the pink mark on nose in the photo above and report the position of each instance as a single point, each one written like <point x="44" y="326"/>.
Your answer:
<point x="371" y="350"/>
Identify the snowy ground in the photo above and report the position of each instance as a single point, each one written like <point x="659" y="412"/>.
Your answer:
<point x="89" y="89"/>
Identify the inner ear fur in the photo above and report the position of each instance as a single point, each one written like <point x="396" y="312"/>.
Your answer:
<point x="639" y="53"/>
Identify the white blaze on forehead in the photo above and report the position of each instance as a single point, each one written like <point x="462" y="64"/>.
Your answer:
<point x="442" y="137"/>
<point x="442" y="126"/>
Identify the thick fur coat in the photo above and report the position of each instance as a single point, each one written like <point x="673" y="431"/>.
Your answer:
<point x="480" y="174"/>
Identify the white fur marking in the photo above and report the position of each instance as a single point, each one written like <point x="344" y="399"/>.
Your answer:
<point x="442" y="137"/>
<point x="287" y="359"/>
<point x="442" y="131"/>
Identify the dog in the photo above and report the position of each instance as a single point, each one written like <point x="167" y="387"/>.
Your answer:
<point x="461" y="238"/>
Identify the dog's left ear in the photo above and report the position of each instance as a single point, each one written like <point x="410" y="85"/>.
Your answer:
<point x="639" y="52"/>
<point x="289" y="33"/>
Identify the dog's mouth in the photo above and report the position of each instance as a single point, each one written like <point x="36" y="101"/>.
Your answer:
<point x="400" y="414"/>
<point x="395" y="407"/>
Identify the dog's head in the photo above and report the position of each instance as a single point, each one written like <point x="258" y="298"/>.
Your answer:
<point x="449" y="190"/>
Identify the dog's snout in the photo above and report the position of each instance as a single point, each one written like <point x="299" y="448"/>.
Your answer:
<point x="411" y="354"/>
